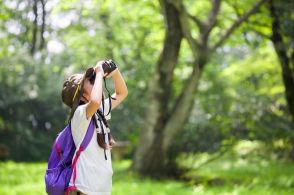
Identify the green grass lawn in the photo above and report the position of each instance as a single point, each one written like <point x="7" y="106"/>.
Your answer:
<point x="246" y="170"/>
<point x="28" y="179"/>
<point x="242" y="177"/>
<point x="230" y="174"/>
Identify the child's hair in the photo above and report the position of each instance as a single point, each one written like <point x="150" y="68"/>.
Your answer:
<point x="103" y="118"/>
<point x="101" y="136"/>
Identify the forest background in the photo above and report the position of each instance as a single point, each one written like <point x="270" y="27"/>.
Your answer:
<point x="207" y="81"/>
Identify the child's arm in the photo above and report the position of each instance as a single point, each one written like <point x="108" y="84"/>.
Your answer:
<point x="121" y="90"/>
<point x="96" y="93"/>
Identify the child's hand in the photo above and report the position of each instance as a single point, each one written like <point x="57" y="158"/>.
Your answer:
<point x="98" y="67"/>
<point x="111" y="141"/>
<point x="112" y="73"/>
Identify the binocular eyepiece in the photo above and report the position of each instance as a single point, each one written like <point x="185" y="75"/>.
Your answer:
<point x="108" y="66"/>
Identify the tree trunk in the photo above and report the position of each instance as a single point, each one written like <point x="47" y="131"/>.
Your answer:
<point x="150" y="159"/>
<point x="35" y="27"/>
<point x="164" y="117"/>
<point x="163" y="122"/>
<point x="281" y="51"/>
<point x="42" y="44"/>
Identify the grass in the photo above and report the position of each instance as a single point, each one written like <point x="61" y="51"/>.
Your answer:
<point x="244" y="171"/>
<point x="234" y="173"/>
<point x="22" y="178"/>
<point x="126" y="182"/>
<point x="28" y="179"/>
<point x="243" y="178"/>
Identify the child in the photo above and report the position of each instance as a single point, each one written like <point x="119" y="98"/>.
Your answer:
<point x="83" y="93"/>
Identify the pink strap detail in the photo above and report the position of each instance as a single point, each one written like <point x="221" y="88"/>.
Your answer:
<point x="74" y="165"/>
<point x="70" y="188"/>
<point x="58" y="151"/>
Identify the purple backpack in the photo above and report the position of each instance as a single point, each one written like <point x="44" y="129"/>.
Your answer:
<point x="63" y="159"/>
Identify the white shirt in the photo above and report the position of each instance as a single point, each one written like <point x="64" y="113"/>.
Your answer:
<point x="94" y="173"/>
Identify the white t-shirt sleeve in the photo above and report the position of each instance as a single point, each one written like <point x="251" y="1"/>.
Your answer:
<point x="79" y="123"/>
<point x="106" y="109"/>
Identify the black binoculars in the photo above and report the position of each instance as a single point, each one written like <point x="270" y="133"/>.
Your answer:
<point x="108" y="66"/>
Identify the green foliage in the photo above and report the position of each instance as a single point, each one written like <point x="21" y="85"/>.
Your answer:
<point x="110" y="30"/>
<point x="29" y="93"/>
<point x="30" y="103"/>
<point x="240" y="93"/>
<point x="240" y="100"/>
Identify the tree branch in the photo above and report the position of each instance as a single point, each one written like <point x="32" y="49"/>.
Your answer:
<point x="237" y="23"/>
<point x="261" y="34"/>
<point x="198" y="22"/>
<point x="211" y="20"/>
<point x="185" y="24"/>
<point x="259" y="24"/>
<point x="252" y="24"/>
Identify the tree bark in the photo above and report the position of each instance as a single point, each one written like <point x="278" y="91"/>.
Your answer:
<point x="150" y="158"/>
<point x="280" y="48"/>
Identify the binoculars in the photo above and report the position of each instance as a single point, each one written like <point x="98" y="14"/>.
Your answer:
<point x="108" y="66"/>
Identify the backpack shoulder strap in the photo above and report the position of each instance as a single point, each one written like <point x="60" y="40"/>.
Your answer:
<point x="89" y="135"/>
<point x="82" y="147"/>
